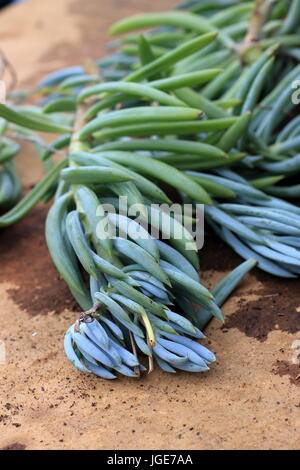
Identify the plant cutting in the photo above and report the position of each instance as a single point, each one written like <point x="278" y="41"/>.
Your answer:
<point x="185" y="112"/>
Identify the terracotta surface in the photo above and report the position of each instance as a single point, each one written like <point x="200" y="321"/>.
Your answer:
<point x="249" y="400"/>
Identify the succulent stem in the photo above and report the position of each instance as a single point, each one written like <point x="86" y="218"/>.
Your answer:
<point x="258" y="19"/>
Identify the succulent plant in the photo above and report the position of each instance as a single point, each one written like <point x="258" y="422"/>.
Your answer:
<point x="198" y="110"/>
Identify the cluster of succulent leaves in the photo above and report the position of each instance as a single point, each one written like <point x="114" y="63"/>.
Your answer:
<point x="193" y="105"/>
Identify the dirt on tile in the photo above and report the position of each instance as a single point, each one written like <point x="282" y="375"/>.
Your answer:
<point x="14" y="446"/>
<point x="26" y="264"/>
<point x="282" y="368"/>
<point x="278" y="308"/>
<point x="217" y="256"/>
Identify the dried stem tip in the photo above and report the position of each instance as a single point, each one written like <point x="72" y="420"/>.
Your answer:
<point x="259" y="17"/>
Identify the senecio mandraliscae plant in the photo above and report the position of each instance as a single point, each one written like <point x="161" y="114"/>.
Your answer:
<point x="202" y="104"/>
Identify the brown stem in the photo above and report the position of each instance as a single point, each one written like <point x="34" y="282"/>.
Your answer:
<point x="258" y="19"/>
<point x="151" y="364"/>
<point x="87" y="316"/>
<point x="136" y="368"/>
